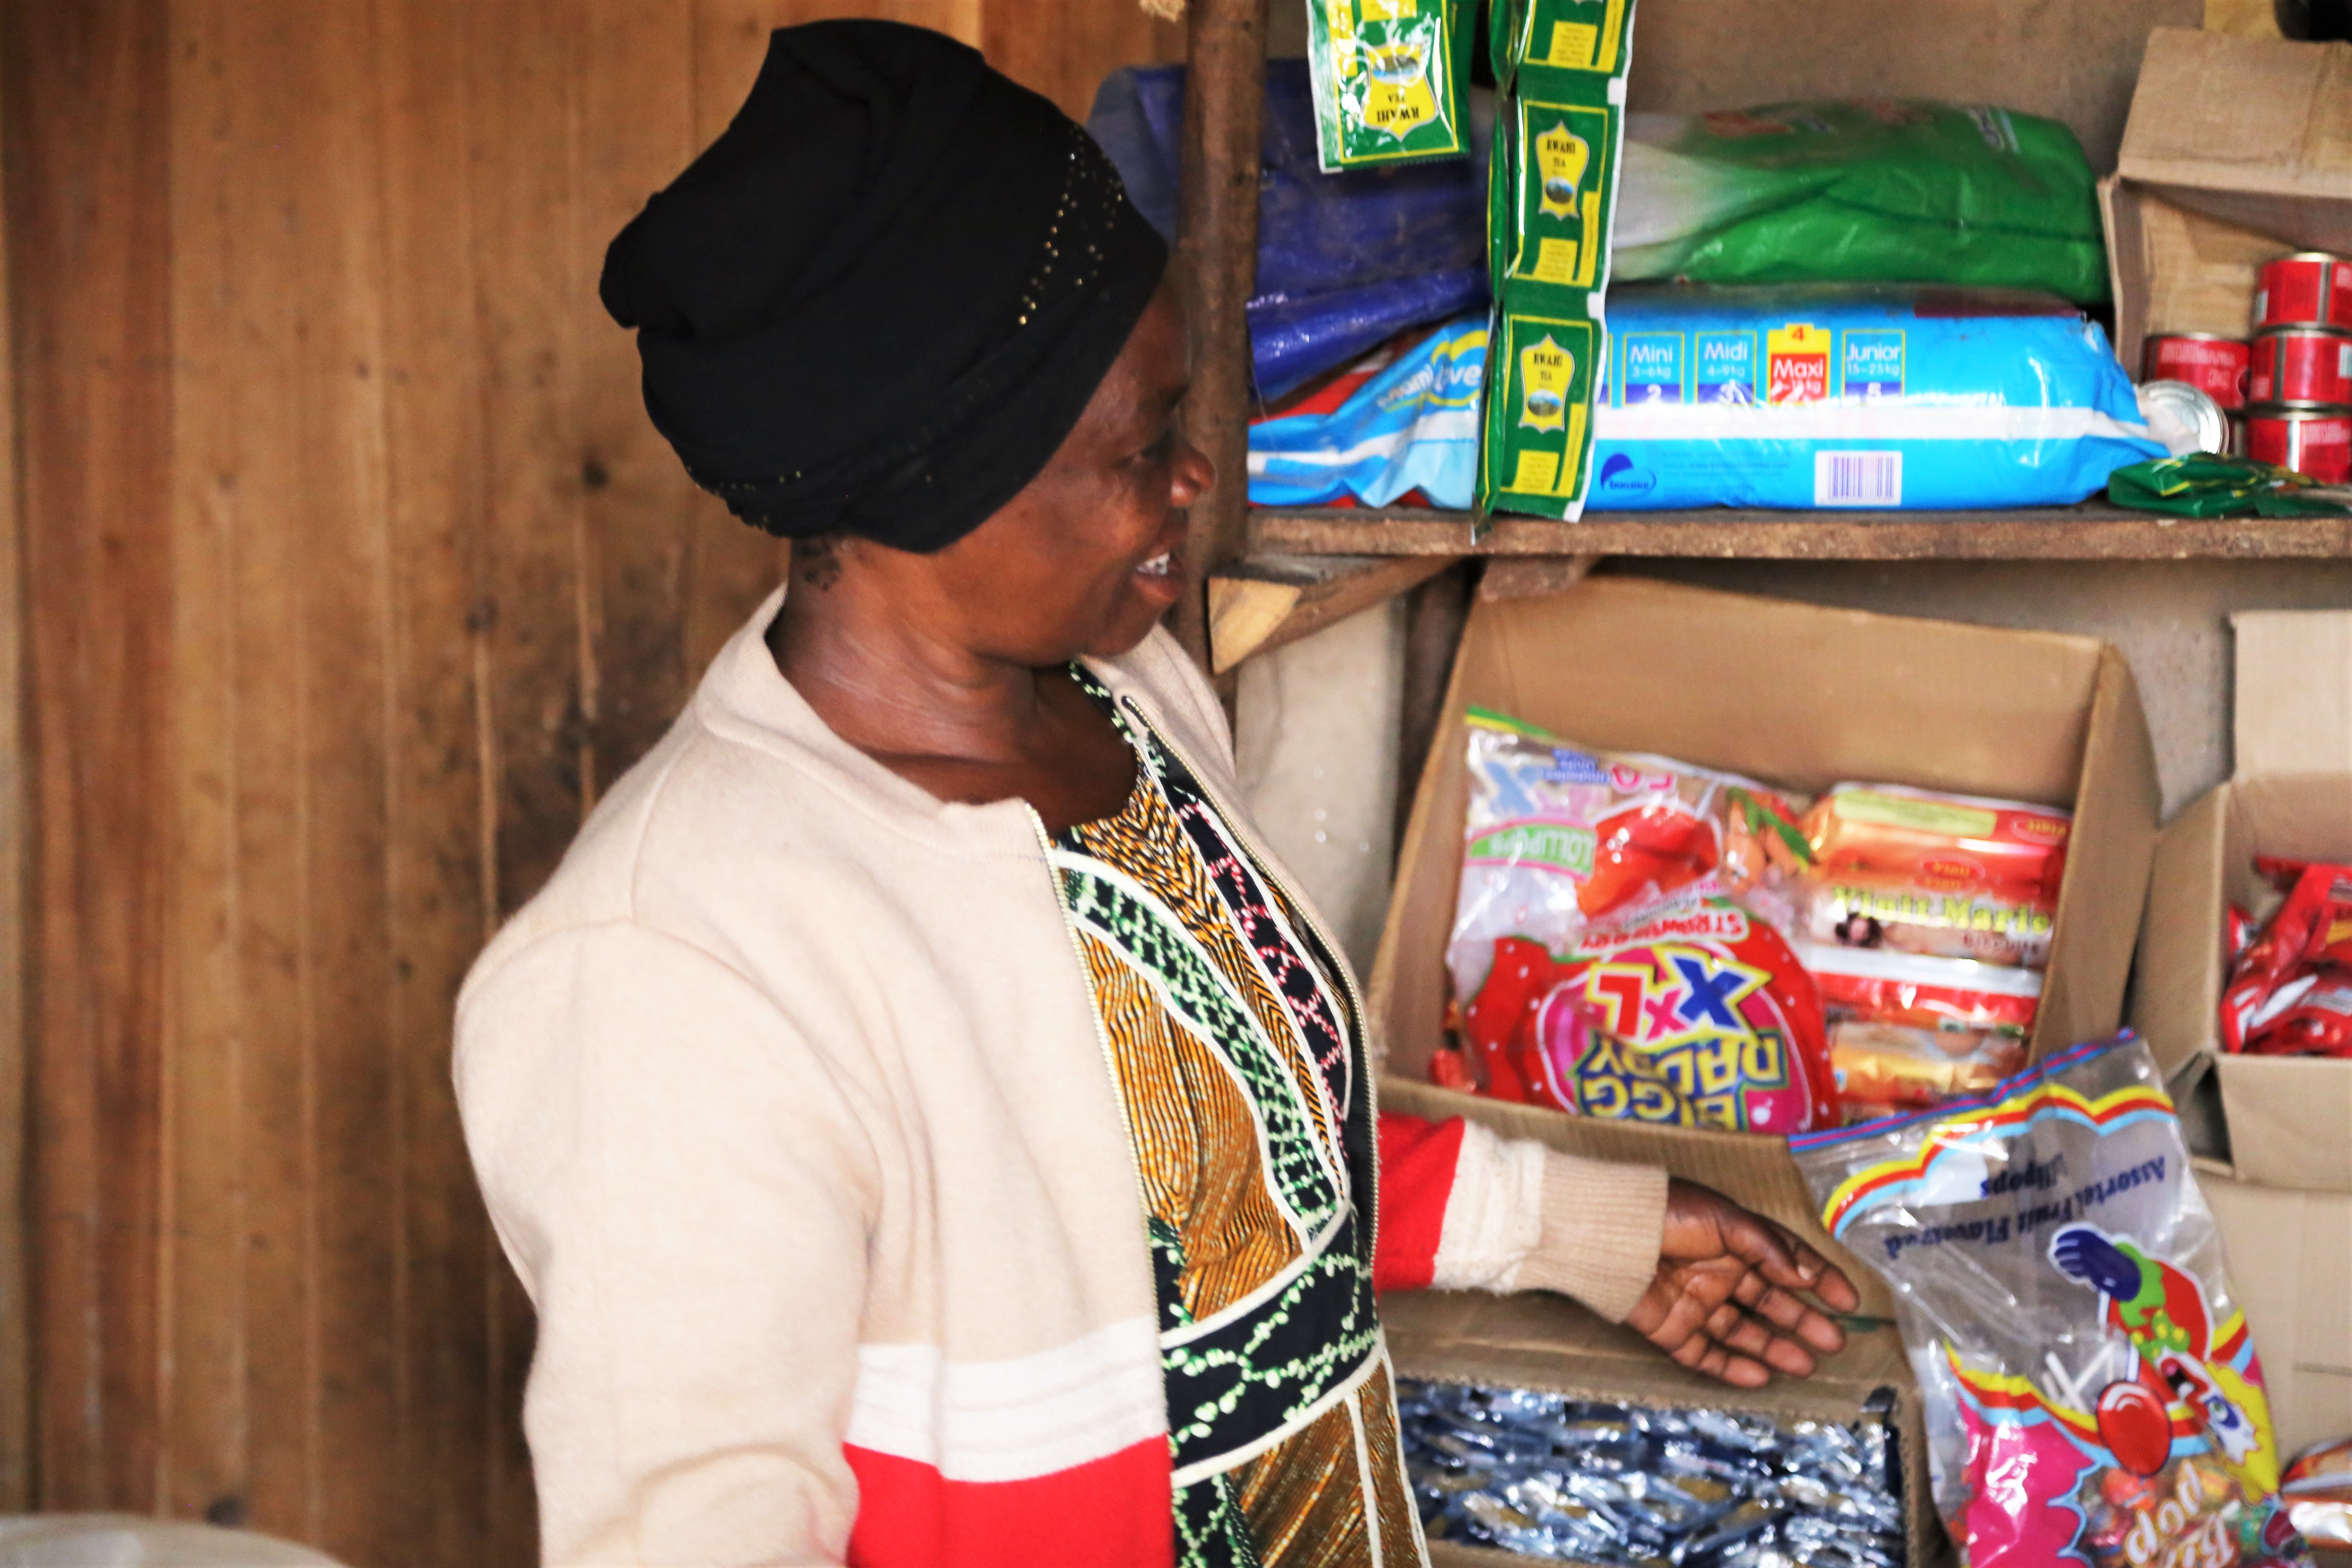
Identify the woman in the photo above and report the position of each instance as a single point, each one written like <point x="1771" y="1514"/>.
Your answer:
<point x="931" y="1129"/>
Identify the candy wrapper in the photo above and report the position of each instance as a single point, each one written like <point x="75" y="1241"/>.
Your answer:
<point x="1390" y="79"/>
<point x="1614" y="944"/>
<point x="2091" y="1393"/>
<point x="1908" y="1033"/>
<point x="1941" y="876"/>
<point x="1573" y="1480"/>
<point x="2318" y="1492"/>
<point x="2291" y="994"/>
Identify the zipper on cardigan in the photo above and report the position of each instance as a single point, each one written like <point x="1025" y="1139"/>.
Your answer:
<point x="1267" y="868"/>
<point x="1118" y="1096"/>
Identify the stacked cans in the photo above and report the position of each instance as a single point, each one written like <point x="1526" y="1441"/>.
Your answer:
<point x="2288" y="394"/>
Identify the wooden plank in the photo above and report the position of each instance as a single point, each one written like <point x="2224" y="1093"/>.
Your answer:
<point x="438" y="877"/>
<point x="312" y="77"/>
<point x="1262" y="604"/>
<point x="635" y="131"/>
<point x="207" y="1258"/>
<point x="540" y="764"/>
<point x="1064" y="49"/>
<point x="86" y="87"/>
<point x="15" y="826"/>
<point x="242" y="317"/>
<point x="2092" y="532"/>
<point x="1216" y="262"/>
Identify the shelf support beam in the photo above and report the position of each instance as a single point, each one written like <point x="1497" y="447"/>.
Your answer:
<point x="1217" y="268"/>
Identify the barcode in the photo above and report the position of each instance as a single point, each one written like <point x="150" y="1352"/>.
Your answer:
<point x="1857" y="479"/>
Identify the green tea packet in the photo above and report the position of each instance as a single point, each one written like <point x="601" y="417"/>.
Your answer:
<point x="1390" y="79"/>
<point x="1551" y="196"/>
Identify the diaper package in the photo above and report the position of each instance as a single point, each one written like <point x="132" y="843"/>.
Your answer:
<point x="1878" y="396"/>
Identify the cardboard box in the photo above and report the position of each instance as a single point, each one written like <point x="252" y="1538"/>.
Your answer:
<point x="2237" y="150"/>
<point x="1801" y="696"/>
<point x="2289" y="1119"/>
<point x="2290" y="1262"/>
<point x="1550" y="1343"/>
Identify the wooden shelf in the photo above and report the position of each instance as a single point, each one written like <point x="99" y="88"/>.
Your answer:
<point x="2093" y="530"/>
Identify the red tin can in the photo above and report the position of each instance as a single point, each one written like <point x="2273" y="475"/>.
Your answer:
<point x="2213" y="365"/>
<point x="2315" y="441"/>
<point x="2309" y="289"/>
<point x="2301" y="365"/>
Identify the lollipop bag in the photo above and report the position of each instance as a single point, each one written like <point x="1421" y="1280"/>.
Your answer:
<point x="2091" y="1392"/>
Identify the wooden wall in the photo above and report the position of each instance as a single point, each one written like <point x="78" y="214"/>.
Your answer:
<point x="352" y="572"/>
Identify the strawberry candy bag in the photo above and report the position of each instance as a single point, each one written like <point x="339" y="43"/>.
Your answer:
<point x="1559" y="840"/>
<point x="2091" y="1392"/>
<point x="1617" y="947"/>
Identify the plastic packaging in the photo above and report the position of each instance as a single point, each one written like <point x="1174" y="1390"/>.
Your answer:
<point x="1551" y="203"/>
<point x="1614" y="944"/>
<point x="1908" y="1033"/>
<point x="1345" y="261"/>
<point x="1858" y="395"/>
<point x="1561" y="841"/>
<point x="2092" y="1394"/>
<point x="2318" y="1492"/>
<point x="1405" y="421"/>
<point x="1943" y="876"/>
<point x="1586" y="1482"/>
<point x="1389" y="79"/>
<point x="2291" y="993"/>
<point x="1700" y="1017"/>
<point x="1864" y="190"/>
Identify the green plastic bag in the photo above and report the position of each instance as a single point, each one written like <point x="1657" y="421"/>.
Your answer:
<point x="1871" y="190"/>
<point x="1390" y="80"/>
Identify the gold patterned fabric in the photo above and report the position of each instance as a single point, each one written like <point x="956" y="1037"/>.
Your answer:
<point x="1237" y="1056"/>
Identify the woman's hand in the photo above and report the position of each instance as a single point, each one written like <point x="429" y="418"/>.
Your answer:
<point x="1724" y="1299"/>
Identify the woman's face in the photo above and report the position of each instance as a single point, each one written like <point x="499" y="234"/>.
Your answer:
<point x="1088" y="556"/>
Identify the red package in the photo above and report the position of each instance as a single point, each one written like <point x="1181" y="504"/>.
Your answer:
<point x="2001" y="850"/>
<point x="1908" y="1033"/>
<point x="2291" y="994"/>
<point x="1699" y="1018"/>
<point x="1941" y="876"/>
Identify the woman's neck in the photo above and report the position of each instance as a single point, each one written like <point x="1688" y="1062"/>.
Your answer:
<point x="895" y="686"/>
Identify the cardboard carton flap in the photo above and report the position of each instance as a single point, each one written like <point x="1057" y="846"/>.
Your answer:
<point x="2294" y="692"/>
<point x="2256" y="132"/>
<point x="2249" y="114"/>
<point x="1536" y="1340"/>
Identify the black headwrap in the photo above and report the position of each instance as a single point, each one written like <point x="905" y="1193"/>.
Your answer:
<point x="880" y="301"/>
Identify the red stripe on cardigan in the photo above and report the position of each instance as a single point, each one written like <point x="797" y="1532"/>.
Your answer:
<point x="1111" y="1512"/>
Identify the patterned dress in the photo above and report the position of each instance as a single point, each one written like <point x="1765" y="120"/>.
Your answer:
<point x="1238" y="1056"/>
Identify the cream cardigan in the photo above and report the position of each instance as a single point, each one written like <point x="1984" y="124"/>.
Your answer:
<point x="789" y="1105"/>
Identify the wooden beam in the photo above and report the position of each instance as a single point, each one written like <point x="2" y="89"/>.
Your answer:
<point x="2093" y="530"/>
<point x="15" y="834"/>
<point x="1217" y="264"/>
<point x="1262" y="604"/>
